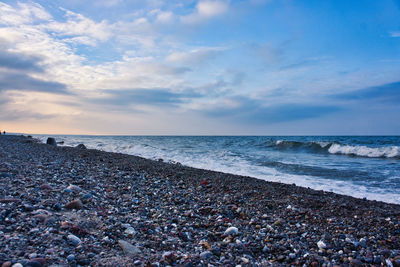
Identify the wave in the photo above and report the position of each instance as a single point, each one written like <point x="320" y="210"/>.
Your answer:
<point x="364" y="151"/>
<point x="340" y="149"/>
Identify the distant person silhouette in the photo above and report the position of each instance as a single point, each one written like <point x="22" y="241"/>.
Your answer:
<point x="4" y="132"/>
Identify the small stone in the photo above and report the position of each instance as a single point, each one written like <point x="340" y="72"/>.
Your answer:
<point x="74" y="188"/>
<point x="74" y="239"/>
<point x="75" y="204"/>
<point x="6" y="264"/>
<point x="206" y="255"/>
<point x="355" y="263"/>
<point x="86" y="196"/>
<point x="321" y="244"/>
<point x="205" y="244"/>
<point x="292" y="255"/>
<point x="231" y="231"/>
<point x="32" y="255"/>
<point x="130" y="231"/>
<point x="45" y="187"/>
<point x="57" y="207"/>
<point x="41" y="260"/>
<point x="245" y="260"/>
<point x="389" y="263"/>
<point x="137" y="263"/>
<point x="71" y="257"/>
<point x="17" y="265"/>
<point x="129" y="249"/>
<point x="33" y="264"/>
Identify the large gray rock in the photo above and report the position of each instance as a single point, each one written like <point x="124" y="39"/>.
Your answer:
<point x="51" y="141"/>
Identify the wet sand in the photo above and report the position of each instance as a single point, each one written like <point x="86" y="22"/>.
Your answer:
<point x="64" y="206"/>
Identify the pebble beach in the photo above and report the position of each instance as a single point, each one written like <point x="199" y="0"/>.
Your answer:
<point x="69" y="206"/>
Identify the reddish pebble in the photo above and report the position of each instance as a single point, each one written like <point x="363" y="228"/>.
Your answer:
<point x="75" y="204"/>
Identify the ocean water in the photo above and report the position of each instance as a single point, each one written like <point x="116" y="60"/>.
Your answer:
<point x="359" y="166"/>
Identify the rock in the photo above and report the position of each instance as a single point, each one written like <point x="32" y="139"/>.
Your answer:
<point x="86" y="196"/>
<point x="33" y="264"/>
<point x="355" y="263"/>
<point x="6" y="264"/>
<point x="75" y="204"/>
<point x="9" y="200"/>
<point x="51" y="141"/>
<point x="129" y="249"/>
<point x="71" y="257"/>
<point x="389" y="263"/>
<point x="41" y="260"/>
<point x="81" y="146"/>
<point x="74" y="239"/>
<point x="57" y="207"/>
<point x="45" y="187"/>
<point x="130" y="231"/>
<point x="17" y="265"/>
<point x="231" y="231"/>
<point x="245" y="260"/>
<point x="137" y="263"/>
<point x="206" y="255"/>
<point x="74" y="188"/>
<point x="321" y="244"/>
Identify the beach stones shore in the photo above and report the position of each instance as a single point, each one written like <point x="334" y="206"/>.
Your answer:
<point x="68" y="206"/>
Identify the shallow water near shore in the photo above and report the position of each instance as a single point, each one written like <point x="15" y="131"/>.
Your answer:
<point x="351" y="165"/>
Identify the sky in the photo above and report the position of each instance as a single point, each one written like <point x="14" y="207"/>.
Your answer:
<point x="206" y="67"/>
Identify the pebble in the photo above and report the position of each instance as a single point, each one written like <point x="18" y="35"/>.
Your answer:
<point x="33" y="264"/>
<point x="74" y="239"/>
<point x="231" y="231"/>
<point x="172" y="218"/>
<point x="129" y="249"/>
<point x="137" y="263"/>
<point x="206" y="255"/>
<point x="130" y="231"/>
<point x="74" y="188"/>
<point x="321" y="244"/>
<point x="71" y="257"/>
<point x="75" y="204"/>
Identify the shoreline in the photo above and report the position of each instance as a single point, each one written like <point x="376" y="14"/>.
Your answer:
<point x="175" y="215"/>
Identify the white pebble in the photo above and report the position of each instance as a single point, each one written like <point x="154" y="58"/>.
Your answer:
<point x="321" y="244"/>
<point x="231" y="231"/>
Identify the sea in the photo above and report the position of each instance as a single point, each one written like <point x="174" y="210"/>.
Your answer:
<point x="359" y="166"/>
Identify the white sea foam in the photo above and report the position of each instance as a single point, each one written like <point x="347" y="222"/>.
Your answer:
<point x="364" y="151"/>
<point x="224" y="161"/>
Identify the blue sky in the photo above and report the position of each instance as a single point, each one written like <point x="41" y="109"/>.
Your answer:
<point x="218" y="67"/>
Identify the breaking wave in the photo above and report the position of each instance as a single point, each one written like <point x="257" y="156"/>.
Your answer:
<point x="341" y="149"/>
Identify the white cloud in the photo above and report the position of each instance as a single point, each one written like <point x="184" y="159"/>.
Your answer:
<point x="395" y="34"/>
<point x="206" y="9"/>
<point x="165" y="17"/>
<point x="34" y="11"/>
<point x="26" y="13"/>
<point x="78" y="25"/>
<point x="195" y="56"/>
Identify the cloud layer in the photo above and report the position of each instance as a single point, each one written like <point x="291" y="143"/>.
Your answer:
<point x="215" y="66"/>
